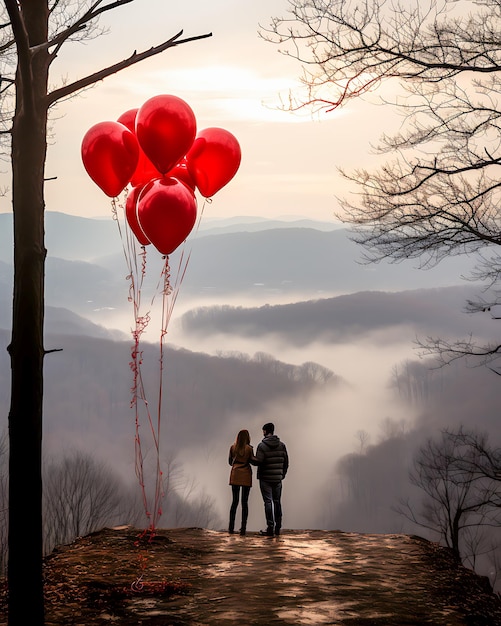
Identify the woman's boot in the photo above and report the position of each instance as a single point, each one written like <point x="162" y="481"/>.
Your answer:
<point x="243" y="527"/>
<point x="231" y="525"/>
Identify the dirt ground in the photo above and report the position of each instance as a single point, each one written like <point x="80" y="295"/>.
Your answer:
<point x="199" y="577"/>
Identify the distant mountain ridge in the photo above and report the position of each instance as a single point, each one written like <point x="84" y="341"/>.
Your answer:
<point x="73" y="238"/>
<point x="88" y="387"/>
<point x="239" y="257"/>
<point x="345" y="318"/>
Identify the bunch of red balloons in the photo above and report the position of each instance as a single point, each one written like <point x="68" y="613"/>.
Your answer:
<point x="157" y="150"/>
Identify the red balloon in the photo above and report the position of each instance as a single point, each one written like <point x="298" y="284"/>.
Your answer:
<point x="165" y="129"/>
<point x="131" y="215"/>
<point x="129" y="119"/>
<point x="110" y="154"/>
<point x="180" y="171"/>
<point x="166" y="212"/>
<point x="145" y="169"/>
<point x="213" y="160"/>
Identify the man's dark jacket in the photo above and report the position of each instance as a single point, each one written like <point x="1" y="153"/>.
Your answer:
<point x="272" y="459"/>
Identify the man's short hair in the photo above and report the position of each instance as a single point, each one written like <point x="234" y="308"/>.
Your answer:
<point x="269" y="428"/>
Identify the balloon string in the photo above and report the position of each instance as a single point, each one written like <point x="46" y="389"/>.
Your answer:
<point x="169" y="292"/>
<point x="135" y="276"/>
<point x="166" y="292"/>
<point x="139" y="391"/>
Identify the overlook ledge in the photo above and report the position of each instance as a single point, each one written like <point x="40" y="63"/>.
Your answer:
<point x="193" y="576"/>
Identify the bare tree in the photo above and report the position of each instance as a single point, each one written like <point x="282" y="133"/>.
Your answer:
<point x="462" y="487"/>
<point x="414" y="381"/>
<point x="33" y="34"/>
<point x="363" y="438"/>
<point x="438" y="194"/>
<point x="81" y="495"/>
<point x="366" y="482"/>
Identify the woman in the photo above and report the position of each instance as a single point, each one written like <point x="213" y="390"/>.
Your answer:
<point x="240" y="457"/>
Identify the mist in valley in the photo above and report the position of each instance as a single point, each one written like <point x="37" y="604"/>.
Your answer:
<point x="322" y="428"/>
<point x="318" y="428"/>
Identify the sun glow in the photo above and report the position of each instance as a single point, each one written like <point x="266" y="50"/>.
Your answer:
<point x="222" y="92"/>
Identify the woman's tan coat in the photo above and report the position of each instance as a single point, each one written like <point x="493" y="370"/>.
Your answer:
<point x="241" y="470"/>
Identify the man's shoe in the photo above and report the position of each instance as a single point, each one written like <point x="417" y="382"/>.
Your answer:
<point x="266" y="533"/>
<point x="277" y="531"/>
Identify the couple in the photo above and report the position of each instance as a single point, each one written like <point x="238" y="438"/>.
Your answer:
<point x="272" y="463"/>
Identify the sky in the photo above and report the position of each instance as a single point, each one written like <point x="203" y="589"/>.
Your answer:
<point x="234" y="80"/>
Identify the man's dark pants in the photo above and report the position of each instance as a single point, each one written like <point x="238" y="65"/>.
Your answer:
<point x="272" y="493"/>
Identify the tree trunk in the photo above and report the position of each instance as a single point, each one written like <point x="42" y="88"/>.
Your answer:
<point x="26" y="349"/>
<point x="455" y="535"/>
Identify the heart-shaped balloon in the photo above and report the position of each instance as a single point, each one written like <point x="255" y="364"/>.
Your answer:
<point x="213" y="160"/>
<point x="145" y="169"/>
<point x="165" y="129"/>
<point x="131" y="215"/>
<point x="166" y="212"/>
<point x="110" y="154"/>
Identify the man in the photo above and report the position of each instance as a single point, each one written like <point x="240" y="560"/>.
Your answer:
<point x="272" y="465"/>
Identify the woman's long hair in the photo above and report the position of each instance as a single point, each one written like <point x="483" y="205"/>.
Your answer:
<point x="242" y="440"/>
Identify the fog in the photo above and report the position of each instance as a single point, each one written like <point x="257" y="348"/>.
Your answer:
<point x="318" y="430"/>
<point x="324" y="427"/>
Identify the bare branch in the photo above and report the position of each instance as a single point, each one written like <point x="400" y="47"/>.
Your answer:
<point x="440" y="192"/>
<point x="136" y="57"/>
<point x="461" y="476"/>
<point x="80" y="24"/>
